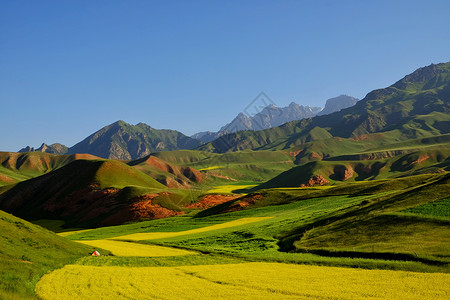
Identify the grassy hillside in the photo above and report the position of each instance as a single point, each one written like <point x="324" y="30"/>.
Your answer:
<point x="27" y="252"/>
<point x="226" y="168"/>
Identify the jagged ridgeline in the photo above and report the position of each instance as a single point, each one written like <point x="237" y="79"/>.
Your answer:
<point x="124" y="141"/>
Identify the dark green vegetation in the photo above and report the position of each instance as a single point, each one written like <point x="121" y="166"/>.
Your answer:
<point x="27" y="252"/>
<point x="440" y="208"/>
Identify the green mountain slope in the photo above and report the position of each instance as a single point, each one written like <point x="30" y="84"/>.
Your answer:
<point x="128" y="142"/>
<point x="27" y="252"/>
<point x="416" y="106"/>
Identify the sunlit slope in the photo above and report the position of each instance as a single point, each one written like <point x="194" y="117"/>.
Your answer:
<point x="27" y="252"/>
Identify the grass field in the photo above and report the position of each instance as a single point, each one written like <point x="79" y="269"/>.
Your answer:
<point x="439" y="208"/>
<point x="239" y="281"/>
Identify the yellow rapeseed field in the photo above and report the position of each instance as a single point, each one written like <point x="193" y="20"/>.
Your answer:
<point x="210" y="168"/>
<point x="227" y="189"/>
<point x="161" y="235"/>
<point x="120" y="248"/>
<point x="240" y="281"/>
<point x="67" y="233"/>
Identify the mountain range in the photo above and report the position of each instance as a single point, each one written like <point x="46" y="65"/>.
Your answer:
<point x="124" y="141"/>
<point x="270" y="116"/>
<point x="414" y="107"/>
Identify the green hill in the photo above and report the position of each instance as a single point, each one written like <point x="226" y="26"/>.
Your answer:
<point x="27" y="252"/>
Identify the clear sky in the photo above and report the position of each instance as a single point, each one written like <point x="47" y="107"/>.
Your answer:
<point x="69" y="68"/>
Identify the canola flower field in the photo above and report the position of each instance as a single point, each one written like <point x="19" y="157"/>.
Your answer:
<point x="121" y="248"/>
<point x="162" y="235"/>
<point x="227" y="189"/>
<point x="256" y="280"/>
<point x="143" y="271"/>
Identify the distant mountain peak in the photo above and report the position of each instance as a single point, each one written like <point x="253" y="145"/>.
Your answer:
<point x="53" y="148"/>
<point x="269" y="116"/>
<point x="124" y="141"/>
<point x="338" y="103"/>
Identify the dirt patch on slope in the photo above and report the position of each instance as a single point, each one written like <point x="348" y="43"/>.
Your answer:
<point x="315" y="180"/>
<point x="244" y="202"/>
<point x="142" y="208"/>
<point x="212" y="200"/>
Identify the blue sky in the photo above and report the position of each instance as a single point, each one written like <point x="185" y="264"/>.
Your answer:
<point x="68" y="68"/>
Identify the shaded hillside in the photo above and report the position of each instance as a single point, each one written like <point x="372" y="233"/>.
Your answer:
<point x="416" y="106"/>
<point x="128" y="142"/>
<point x="89" y="193"/>
<point x="28" y="252"/>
